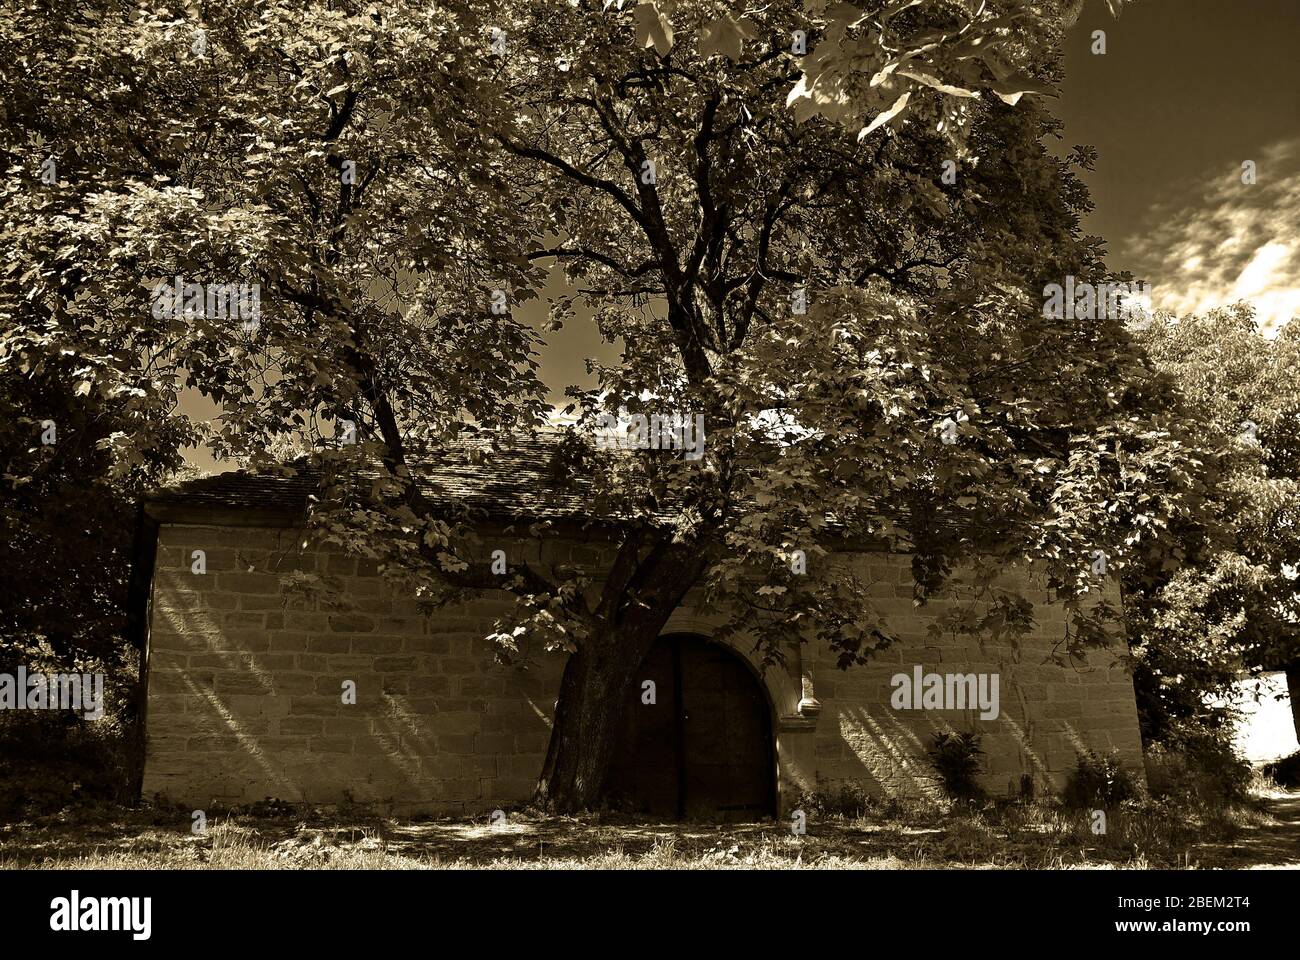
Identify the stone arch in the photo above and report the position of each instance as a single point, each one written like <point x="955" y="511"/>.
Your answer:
<point x="790" y="689"/>
<point x="784" y="686"/>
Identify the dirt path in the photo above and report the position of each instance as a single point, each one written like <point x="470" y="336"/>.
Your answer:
<point x="1265" y="846"/>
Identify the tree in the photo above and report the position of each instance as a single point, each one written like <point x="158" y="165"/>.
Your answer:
<point x="67" y="513"/>
<point x="142" y="148"/>
<point x="1220" y="598"/>
<point x="693" y="188"/>
<point x="863" y="335"/>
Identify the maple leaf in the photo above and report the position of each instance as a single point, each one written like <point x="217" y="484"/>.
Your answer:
<point x="725" y="36"/>
<point x="653" y="28"/>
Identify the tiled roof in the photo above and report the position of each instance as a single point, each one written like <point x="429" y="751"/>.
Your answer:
<point x="518" y="480"/>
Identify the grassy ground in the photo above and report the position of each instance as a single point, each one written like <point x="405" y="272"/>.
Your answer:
<point x="894" y="837"/>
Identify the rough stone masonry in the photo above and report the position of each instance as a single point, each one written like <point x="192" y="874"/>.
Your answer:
<point x="245" y="686"/>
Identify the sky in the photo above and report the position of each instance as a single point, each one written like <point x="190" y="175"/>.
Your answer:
<point x="1186" y="92"/>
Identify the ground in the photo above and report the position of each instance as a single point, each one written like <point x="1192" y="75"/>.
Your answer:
<point x="1011" y="836"/>
<point x="1275" y="844"/>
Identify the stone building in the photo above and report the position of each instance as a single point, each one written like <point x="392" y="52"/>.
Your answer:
<point x="244" y="684"/>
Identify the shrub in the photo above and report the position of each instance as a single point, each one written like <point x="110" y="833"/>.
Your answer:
<point x="845" y="799"/>
<point x="956" y="758"/>
<point x="1203" y="772"/>
<point x="1098" y="781"/>
<point x="50" y="759"/>
<point x="1285" y="772"/>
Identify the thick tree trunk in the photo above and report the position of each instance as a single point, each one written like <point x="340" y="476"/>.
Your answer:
<point x="1293" y="687"/>
<point x="589" y="718"/>
<point x="686" y="330"/>
<point x="600" y="678"/>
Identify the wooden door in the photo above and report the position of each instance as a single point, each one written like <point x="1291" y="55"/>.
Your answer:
<point x="703" y="750"/>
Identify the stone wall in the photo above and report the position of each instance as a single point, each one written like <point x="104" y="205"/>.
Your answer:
<point x="1047" y="714"/>
<point x="245" y="690"/>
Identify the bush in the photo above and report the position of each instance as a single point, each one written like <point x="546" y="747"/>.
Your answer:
<point x="956" y="758"/>
<point x="50" y="760"/>
<point x="844" y="799"/>
<point x="1205" y="772"/>
<point x="1285" y="772"/>
<point x="1098" y="781"/>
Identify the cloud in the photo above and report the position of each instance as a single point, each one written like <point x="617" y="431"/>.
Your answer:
<point x="1216" y="240"/>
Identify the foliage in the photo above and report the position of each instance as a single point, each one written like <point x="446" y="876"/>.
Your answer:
<point x="1286" y="771"/>
<point x="396" y="179"/>
<point x="1217" y="595"/>
<point x="844" y="799"/>
<point x="1205" y="772"/>
<point x="1098" y="781"/>
<point x="52" y="760"/>
<point x="67" y="515"/>
<point x="923" y="60"/>
<point x="956" y="758"/>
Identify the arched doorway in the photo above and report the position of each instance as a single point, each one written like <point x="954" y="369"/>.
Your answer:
<point x="703" y="749"/>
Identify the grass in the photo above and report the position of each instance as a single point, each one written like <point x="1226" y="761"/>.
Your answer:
<point x="897" y="835"/>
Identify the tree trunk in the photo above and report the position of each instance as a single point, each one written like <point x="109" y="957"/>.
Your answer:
<point x="600" y="677"/>
<point x="589" y="716"/>
<point x="1293" y="687"/>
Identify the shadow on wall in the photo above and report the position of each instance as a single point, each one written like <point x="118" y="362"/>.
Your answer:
<point x="240" y="711"/>
<point x="245" y="704"/>
<point x="887" y="753"/>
